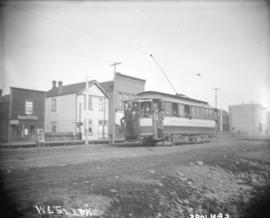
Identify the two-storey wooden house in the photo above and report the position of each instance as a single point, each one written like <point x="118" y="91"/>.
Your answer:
<point x="66" y="108"/>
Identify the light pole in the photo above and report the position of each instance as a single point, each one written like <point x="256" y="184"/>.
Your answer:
<point x="114" y="99"/>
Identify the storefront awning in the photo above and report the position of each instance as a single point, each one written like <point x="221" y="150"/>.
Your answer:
<point x="14" y="122"/>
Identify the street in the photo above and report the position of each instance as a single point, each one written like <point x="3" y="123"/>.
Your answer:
<point x="224" y="178"/>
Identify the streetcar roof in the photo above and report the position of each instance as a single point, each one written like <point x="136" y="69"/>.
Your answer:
<point x="155" y="95"/>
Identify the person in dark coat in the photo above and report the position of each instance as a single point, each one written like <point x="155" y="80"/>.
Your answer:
<point x="135" y="117"/>
<point x="127" y="121"/>
<point x="160" y="119"/>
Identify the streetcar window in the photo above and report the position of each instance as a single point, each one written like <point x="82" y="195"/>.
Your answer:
<point x="204" y="113"/>
<point x="168" y="108"/>
<point x="197" y="112"/>
<point x="211" y="114"/>
<point x="175" y="110"/>
<point x="193" y="111"/>
<point x="187" y="111"/>
<point x="145" y="109"/>
<point x="201" y="112"/>
<point x="181" y="110"/>
<point x="208" y="114"/>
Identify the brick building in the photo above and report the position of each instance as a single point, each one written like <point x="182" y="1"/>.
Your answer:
<point x="21" y="115"/>
<point x="126" y="88"/>
<point x="66" y="111"/>
<point x="248" y="119"/>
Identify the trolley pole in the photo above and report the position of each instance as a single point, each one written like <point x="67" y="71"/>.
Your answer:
<point x="114" y="99"/>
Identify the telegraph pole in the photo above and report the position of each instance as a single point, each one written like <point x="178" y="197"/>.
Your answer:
<point x="114" y="99"/>
<point x="86" y="110"/>
<point x="216" y="98"/>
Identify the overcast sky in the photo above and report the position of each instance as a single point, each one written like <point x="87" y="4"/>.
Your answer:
<point x="226" y="42"/>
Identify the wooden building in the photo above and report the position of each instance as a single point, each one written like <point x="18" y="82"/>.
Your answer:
<point x="22" y="115"/>
<point x="66" y="111"/>
<point x="126" y="87"/>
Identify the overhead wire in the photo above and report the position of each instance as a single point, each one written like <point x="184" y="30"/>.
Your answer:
<point x="8" y="42"/>
<point x="88" y="33"/>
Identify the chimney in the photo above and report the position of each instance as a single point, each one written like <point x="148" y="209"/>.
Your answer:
<point x="54" y="84"/>
<point x="60" y="86"/>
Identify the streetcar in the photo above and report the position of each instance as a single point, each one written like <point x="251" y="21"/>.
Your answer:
<point x="154" y="117"/>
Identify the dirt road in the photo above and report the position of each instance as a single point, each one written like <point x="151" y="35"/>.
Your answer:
<point x="225" y="178"/>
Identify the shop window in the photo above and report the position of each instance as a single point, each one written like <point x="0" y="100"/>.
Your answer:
<point x="32" y="130"/>
<point x="28" y="107"/>
<point x="175" y="111"/>
<point x="19" y="130"/>
<point x="53" y="104"/>
<point x="53" y="126"/>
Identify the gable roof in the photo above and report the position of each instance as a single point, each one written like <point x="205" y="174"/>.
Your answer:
<point x="107" y="86"/>
<point x="75" y="88"/>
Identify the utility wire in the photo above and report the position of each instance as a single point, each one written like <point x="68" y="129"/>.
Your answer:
<point x="8" y="42"/>
<point x="163" y="73"/>
<point x="88" y="33"/>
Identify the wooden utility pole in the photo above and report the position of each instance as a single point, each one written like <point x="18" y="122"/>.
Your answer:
<point x="114" y="99"/>
<point x="86" y="111"/>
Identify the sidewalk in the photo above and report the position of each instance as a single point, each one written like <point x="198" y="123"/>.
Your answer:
<point x="54" y="143"/>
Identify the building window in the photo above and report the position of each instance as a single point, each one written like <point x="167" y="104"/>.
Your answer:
<point x="90" y="103"/>
<point x="53" y="126"/>
<point x="32" y="130"/>
<point x="53" y="105"/>
<point x="84" y="102"/>
<point x="100" y="104"/>
<point x="90" y="127"/>
<point x="19" y="130"/>
<point x="28" y="107"/>
<point x="120" y="99"/>
<point x="26" y="131"/>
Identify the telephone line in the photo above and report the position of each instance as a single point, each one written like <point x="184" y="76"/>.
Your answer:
<point x="82" y="31"/>
<point x="7" y="42"/>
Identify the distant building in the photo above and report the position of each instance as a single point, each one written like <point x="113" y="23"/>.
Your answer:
<point x="268" y="122"/>
<point x="248" y="119"/>
<point x="66" y="111"/>
<point x="126" y="88"/>
<point x="21" y="115"/>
